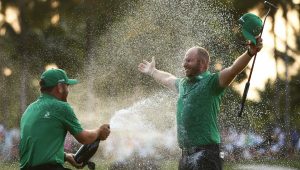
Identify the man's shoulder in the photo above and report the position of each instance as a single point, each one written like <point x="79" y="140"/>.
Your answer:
<point x="62" y="104"/>
<point x="59" y="105"/>
<point x="213" y="75"/>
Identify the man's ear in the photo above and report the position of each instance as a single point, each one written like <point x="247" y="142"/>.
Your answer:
<point x="201" y="65"/>
<point x="60" y="88"/>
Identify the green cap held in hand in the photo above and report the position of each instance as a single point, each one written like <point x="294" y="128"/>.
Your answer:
<point x="251" y="26"/>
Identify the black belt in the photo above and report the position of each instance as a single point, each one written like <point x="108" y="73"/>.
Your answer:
<point x="211" y="147"/>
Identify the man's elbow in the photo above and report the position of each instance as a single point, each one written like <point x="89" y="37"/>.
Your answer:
<point x="226" y="77"/>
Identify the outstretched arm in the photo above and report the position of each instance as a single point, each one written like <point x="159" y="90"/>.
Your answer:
<point x="161" y="77"/>
<point x="228" y="74"/>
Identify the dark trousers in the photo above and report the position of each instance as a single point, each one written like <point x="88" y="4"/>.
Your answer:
<point x="46" y="167"/>
<point x="201" y="158"/>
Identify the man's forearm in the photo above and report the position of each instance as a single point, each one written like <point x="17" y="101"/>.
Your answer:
<point x="164" y="78"/>
<point x="228" y="74"/>
<point x="87" y="136"/>
<point x="240" y="63"/>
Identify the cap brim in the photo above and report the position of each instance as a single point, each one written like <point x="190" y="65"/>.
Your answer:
<point x="72" y="81"/>
<point x="249" y="36"/>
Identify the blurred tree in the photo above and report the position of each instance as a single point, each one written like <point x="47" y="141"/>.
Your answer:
<point x="28" y="46"/>
<point x="295" y="100"/>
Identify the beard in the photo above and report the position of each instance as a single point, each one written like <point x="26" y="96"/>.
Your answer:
<point x="64" y="96"/>
<point x="64" y="99"/>
<point x="191" y="71"/>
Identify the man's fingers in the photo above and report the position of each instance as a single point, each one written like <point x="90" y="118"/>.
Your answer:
<point x="259" y="39"/>
<point x="105" y="131"/>
<point x="153" y="60"/>
<point x="141" y="67"/>
<point x="141" y="64"/>
<point x="145" y="62"/>
<point x="259" y="42"/>
<point x="71" y="160"/>
<point x="79" y="166"/>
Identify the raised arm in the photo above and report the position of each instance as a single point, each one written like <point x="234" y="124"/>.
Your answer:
<point x="164" y="78"/>
<point x="228" y="74"/>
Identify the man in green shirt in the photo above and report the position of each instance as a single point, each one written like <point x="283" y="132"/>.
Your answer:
<point x="198" y="104"/>
<point x="45" y="123"/>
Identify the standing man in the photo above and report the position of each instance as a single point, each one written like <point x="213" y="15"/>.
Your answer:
<point x="198" y="104"/>
<point x="45" y="123"/>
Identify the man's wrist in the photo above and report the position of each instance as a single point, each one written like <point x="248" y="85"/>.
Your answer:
<point x="249" y="53"/>
<point x="152" y="72"/>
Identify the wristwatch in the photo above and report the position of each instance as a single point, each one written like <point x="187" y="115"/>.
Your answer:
<point x="249" y="53"/>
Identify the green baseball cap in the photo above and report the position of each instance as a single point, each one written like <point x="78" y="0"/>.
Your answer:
<point x="52" y="77"/>
<point x="251" y="26"/>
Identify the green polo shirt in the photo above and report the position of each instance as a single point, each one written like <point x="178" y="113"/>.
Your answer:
<point x="198" y="106"/>
<point x="44" y="125"/>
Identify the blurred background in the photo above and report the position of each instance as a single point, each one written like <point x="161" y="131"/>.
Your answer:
<point x="101" y="43"/>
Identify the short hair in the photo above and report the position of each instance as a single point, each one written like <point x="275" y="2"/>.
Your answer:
<point x="203" y="54"/>
<point x="43" y="88"/>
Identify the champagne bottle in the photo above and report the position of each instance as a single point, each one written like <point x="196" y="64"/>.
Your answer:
<point x="85" y="152"/>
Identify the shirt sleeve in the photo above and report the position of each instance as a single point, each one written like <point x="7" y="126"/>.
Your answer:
<point x="70" y="121"/>
<point x="215" y="84"/>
